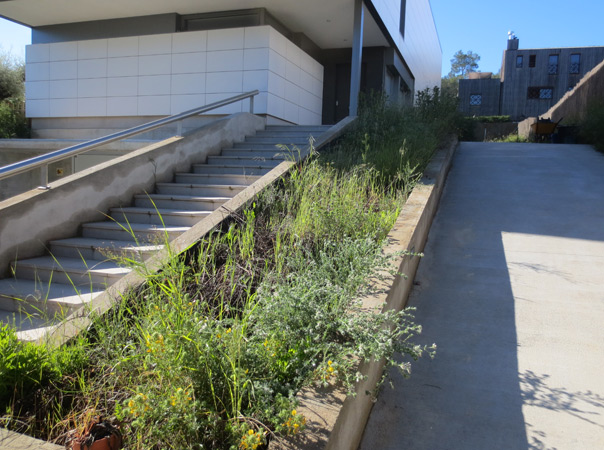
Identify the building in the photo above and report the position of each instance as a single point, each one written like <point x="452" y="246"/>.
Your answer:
<point x="532" y="81"/>
<point x="105" y="64"/>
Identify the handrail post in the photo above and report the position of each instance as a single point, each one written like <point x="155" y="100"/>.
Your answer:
<point x="179" y="128"/>
<point x="44" y="177"/>
<point x="252" y="104"/>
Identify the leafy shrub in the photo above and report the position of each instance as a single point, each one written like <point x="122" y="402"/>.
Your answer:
<point x="13" y="123"/>
<point x="592" y="126"/>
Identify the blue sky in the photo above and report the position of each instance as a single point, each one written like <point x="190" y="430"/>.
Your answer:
<point x="480" y="26"/>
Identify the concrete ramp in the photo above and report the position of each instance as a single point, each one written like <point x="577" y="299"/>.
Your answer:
<point x="511" y="288"/>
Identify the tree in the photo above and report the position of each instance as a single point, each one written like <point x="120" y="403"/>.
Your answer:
<point x="12" y="76"/>
<point x="463" y="63"/>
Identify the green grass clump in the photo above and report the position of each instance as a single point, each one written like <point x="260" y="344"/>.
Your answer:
<point x="212" y="350"/>
<point x="591" y="128"/>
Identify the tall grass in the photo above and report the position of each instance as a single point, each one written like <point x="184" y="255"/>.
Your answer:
<point x="211" y="351"/>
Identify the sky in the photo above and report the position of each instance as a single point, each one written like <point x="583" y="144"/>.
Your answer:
<point x="477" y="25"/>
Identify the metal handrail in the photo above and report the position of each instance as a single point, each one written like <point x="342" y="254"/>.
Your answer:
<point x="44" y="160"/>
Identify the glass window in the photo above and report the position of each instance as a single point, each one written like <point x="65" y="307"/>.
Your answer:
<point x="403" y="11"/>
<point x="552" y="68"/>
<point x="575" y="63"/>
<point x="532" y="60"/>
<point x="519" y="61"/>
<point x="475" y="99"/>
<point x="542" y="93"/>
<point x="546" y="93"/>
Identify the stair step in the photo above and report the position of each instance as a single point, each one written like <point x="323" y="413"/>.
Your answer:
<point x="141" y="232"/>
<point x="199" y="190"/>
<point x="286" y="134"/>
<point x="181" y="202"/>
<point x="101" y="249"/>
<point x="242" y="160"/>
<point x="171" y="217"/>
<point x="286" y="139"/>
<point x="213" y="179"/>
<point x="44" y="300"/>
<point x="267" y="146"/>
<point x="294" y="128"/>
<point x="254" y="153"/>
<point x="76" y="271"/>
<point x="29" y="327"/>
<point x="255" y="170"/>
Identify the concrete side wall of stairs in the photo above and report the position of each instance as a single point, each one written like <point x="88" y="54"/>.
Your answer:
<point x="31" y="219"/>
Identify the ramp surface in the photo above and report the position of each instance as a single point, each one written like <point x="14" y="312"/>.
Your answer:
<point x="511" y="288"/>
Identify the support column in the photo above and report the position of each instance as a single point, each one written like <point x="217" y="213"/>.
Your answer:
<point x="357" y="57"/>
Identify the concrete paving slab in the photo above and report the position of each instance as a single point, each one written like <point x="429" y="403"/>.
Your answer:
<point x="511" y="289"/>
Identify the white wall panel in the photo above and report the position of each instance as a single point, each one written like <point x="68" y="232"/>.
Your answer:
<point x="189" y="62"/>
<point x="194" y="41"/>
<point x="63" y="51"/>
<point x="36" y="89"/>
<point x="122" y="67"/>
<point x="228" y="39"/>
<point x="91" y="68"/>
<point x="92" y="107"/>
<point x="224" y="61"/>
<point x="37" y="53"/>
<point x="92" y="87"/>
<point x="63" y="70"/>
<point x="157" y="44"/>
<point x="155" y="65"/>
<point x="169" y="73"/>
<point x="96" y="48"/>
<point x="125" y="46"/>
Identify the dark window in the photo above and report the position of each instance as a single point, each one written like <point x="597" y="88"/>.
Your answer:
<point x="403" y="10"/>
<point x="532" y="60"/>
<point x="575" y="63"/>
<point x="540" y="93"/>
<point x="552" y="68"/>
<point x="475" y="99"/>
<point x="519" y="61"/>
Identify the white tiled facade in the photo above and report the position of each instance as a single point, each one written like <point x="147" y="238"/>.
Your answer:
<point x="169" y="73"/>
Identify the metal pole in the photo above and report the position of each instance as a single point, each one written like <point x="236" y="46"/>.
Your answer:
<point x="252" y="105"/>
<point x="357" y="57"/>
<point x="179" y="128"/>
<point x="44" y="177"/>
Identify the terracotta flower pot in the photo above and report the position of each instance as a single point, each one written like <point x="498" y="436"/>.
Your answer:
<point x="101" y="436"/>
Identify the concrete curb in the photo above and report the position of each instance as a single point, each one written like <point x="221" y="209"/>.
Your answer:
<point x="335" y="421"/>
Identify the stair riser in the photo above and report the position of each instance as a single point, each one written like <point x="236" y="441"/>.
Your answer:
<point x="258" y="154"/>
<point x="189" y="205"/>
<point x="90" y="279"/>
<point x="46" y="309"/>
<point x="156" y="219"/>
<point x="97" y="254"/>
<point x="252" y="162"/>
<point x="287" y="135"/>
<point x="195" y="178"/>
<point x="210" y="169"/>
<point x="285" y="140"/>
<point x="199" y="191"/>
<point x="269" y="147"/>
<point x="147" y="236"/>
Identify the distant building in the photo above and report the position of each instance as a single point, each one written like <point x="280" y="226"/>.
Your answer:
<point x="532" y="81"/>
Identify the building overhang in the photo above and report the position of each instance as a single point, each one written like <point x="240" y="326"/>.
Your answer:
<point x="327" y="23"/>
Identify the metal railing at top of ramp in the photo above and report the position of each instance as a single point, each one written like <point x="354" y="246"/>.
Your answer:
<point x="43" y="161"/>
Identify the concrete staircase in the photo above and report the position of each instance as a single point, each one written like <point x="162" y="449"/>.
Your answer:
<point x="46" y="289"/>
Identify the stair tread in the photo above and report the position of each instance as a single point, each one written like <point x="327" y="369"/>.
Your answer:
<point x="161" y="211"/>
<point x="233" y="166"/>
<point x="105" y="243"/>
<point x="110" y="225"/>
<point x="183" y="197"/>
<point x="205" y="185"/>
<point x="52" y="292"/>
<point x="76" y="265"/>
